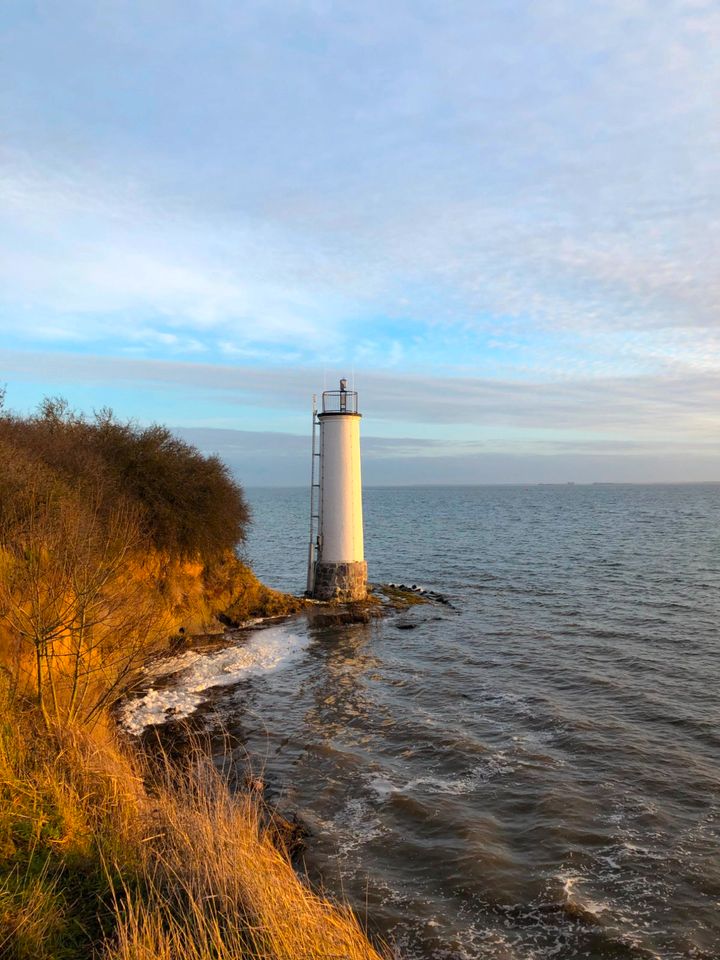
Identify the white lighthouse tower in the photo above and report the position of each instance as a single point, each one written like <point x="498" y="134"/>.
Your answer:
<point x="336" y="563"/>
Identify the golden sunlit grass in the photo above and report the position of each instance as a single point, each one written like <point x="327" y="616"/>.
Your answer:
<point x="182" y="869"/>
<point x="215" y="885"/>
<point x="31" y="920"/>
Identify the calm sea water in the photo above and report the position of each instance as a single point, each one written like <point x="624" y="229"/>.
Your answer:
<point x="533" y="772"/>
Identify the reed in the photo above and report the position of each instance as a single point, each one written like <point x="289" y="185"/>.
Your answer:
<point x="215" y="884"/>
<point x="106" y="852"/>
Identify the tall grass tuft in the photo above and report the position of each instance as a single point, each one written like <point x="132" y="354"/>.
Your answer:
<point x="105" y="853"/>
<point x="215" y="885"/>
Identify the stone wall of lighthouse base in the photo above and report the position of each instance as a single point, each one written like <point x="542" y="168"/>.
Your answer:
<point x="341" y="581"/>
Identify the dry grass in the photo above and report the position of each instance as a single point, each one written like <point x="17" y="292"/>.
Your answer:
<point x="240" y="897"/>
<point x="30" y="922"/>
<point x="95" y="863"/>
<point x="70" y="805"/>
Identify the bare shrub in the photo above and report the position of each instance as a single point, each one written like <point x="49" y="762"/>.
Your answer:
<point x="77" y="620"/>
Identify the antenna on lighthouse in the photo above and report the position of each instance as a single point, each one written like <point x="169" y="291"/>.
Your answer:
<point x="336" y="561"/>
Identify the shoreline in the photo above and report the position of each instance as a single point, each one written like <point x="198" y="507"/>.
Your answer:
<point x="107" y="848"/>
<point x="195" y="650"/>
<point x="160" y="697"/>
<point x="182" y="733"/>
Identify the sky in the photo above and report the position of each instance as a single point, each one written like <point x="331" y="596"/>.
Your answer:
<point x="499" y="220"/>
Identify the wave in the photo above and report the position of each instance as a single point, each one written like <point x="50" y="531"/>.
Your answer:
<point x="193" y="674"/>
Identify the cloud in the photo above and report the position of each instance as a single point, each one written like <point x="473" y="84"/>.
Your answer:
<point x="170" y="280"/>
<point x="415" y="429"/>
<point x="671" y="406"/>
<point x="505" y="216"/>
<point x="391" y="183"/>
<point x="281" y="459"/>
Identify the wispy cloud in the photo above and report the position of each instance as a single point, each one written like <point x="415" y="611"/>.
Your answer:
<point x="78" y="259"/>
<point x="244" y="178"/>
<point x="673" y="405"/>
<point x="506" y="216"/>
<point x="272" y="459"/>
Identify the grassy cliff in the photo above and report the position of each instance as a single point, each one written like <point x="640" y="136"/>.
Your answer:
<point x="112" y="539"/>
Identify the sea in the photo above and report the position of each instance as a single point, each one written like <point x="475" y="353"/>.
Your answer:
<point x="530" y="770"/>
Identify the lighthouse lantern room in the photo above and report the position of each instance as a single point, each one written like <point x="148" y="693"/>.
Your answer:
<point x="336" y="561"/>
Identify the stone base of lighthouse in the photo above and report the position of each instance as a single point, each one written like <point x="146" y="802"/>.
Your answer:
<point x="340" y="581"/>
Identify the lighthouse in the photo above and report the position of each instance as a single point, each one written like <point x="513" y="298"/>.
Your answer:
<point x="336" y="561"/>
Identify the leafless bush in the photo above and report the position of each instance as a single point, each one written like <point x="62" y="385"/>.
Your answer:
<point x="70" y="600"/>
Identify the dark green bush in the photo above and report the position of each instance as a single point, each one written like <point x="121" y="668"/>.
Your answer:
<point x="188" y="504"/>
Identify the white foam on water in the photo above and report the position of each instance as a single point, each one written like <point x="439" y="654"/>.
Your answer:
<point x="167" y="666"/>
<point x="382" y="786"/>
<point x="574" y="897"/>
<point x="356" y="824"/>
<point x="265" y="651"/>
<point x="458" y="785"/>
<point x="465" y="783"/>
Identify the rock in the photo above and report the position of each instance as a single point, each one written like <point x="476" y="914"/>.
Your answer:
<point x="290" y="834"/>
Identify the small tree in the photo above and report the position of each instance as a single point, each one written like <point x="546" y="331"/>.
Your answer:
<point x="72" y="602"/>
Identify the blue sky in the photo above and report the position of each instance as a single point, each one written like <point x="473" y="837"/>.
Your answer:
<point x="501" y="218"/>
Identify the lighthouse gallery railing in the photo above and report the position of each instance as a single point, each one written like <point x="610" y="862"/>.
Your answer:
<point x="340" y="401"/>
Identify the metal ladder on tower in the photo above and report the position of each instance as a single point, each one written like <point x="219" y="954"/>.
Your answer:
<point x="314" y="544"/>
